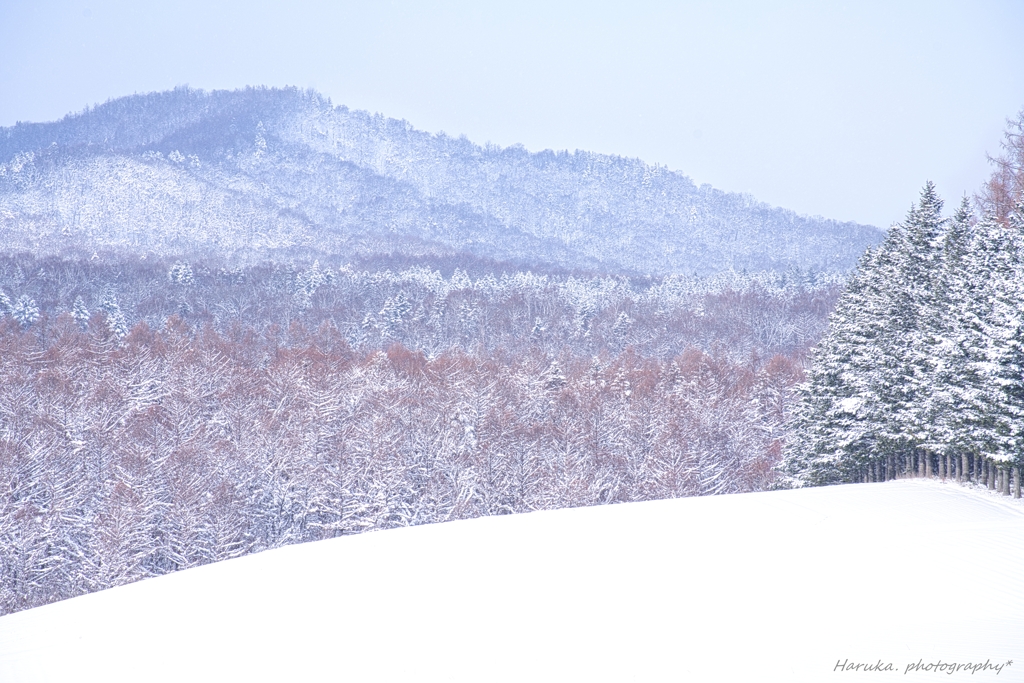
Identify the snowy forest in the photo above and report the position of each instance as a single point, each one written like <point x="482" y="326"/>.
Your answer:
<point x="161" y="415"/>
<point x="921" y="372"/>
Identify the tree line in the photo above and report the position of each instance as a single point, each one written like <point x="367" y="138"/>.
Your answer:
<point x="921" y="372"/>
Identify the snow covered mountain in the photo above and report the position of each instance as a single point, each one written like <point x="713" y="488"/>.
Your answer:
<point x="265" y="173"/>
<point x="915" y="578"/>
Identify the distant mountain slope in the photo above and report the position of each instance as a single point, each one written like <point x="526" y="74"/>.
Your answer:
<point x="261" y="172"/>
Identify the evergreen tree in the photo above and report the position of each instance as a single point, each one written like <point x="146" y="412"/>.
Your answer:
<point x="953" y="385"/>
<point x="25" y="311"/>
<point x="116" y="321"/>
<point x="919" y="291"/>
<point x="394" y="312"/>
<point x="832" y="405"/>
<point x="181" y="274"/>
<point x="989" y="323"/>
<point x="1013" y="374"/>
<point x="310" y="280"/>
<point x="1000" y="321"/>
<point x="621" y="327"/>
<point x="80" y="313"/>
<point x="553" y="377"/>
<point x="1008" y="422"/>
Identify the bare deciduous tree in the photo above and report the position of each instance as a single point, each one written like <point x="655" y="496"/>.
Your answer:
<point x="1005" y="188"/>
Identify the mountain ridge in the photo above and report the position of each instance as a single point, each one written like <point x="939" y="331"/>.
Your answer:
<point x="269" y="172"/>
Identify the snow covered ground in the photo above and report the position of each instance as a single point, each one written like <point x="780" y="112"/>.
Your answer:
<point x="776" y="586"/>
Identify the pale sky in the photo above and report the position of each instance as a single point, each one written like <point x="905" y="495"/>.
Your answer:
<point x="837" y="109"/>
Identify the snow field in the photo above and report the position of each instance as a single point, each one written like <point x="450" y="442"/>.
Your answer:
<point x="777" y="586"/>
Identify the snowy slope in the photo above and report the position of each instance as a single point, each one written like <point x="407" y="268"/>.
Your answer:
<point x="756" y="587"/>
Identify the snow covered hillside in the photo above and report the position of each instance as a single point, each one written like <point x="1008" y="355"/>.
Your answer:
<point x="779" y="586"/>
<point x="263" y="173"/>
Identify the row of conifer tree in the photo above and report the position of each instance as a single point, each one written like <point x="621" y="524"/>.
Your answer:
<point x="921" y="372"/>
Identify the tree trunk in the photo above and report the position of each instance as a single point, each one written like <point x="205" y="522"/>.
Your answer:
<point x="1016" y="482"/>
<point x="990" y="475"/>
<point x="962" y="472"/>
